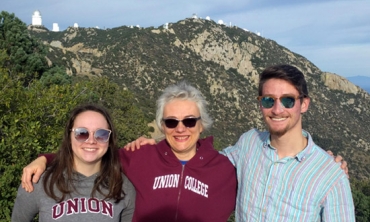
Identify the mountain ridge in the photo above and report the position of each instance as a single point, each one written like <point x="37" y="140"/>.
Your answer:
<point x="224" y="63"/>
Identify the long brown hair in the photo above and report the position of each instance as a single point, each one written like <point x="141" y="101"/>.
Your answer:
<point x="60" y="173"/>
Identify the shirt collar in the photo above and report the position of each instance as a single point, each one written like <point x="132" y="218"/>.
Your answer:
<point x="301" y="155"/>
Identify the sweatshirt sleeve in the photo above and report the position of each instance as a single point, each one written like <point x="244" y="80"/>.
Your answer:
<point x="129" y="200"/>
<point x="124" y="160"/>
<point x="26" y="205"/>
<point x="49" y="157"/>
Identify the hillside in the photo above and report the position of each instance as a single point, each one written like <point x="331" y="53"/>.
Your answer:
<point x="223" y="62"/>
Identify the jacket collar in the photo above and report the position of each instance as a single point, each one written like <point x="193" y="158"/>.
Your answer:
<point x="205" y="153"/>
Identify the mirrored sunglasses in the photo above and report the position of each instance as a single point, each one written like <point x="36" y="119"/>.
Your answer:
<point x="286" y="101"/>
<point x="188" y="122"/>
<point x="100" y="135"/>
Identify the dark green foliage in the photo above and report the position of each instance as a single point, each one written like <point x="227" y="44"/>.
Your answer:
<point x="55" y="76"/>
<point x="232" y="217"/>
<point x="361" y="199"/>
<point x="128" y="119"/>
<point x="26" y="55"/>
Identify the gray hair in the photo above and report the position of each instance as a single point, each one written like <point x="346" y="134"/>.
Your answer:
<point x="183" y="91"/>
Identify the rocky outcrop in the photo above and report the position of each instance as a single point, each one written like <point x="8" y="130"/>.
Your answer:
<point x="336" y="82"/>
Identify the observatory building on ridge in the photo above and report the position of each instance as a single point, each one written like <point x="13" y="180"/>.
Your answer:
<point x="36" y="18"/>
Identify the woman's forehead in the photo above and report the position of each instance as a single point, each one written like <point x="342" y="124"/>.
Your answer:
<point x="183" y="108"/>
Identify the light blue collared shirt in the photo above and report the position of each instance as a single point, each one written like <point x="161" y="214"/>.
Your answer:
<point x="307" y="187"/>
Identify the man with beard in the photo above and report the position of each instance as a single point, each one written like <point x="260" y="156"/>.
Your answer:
<point x="282" y="174"/>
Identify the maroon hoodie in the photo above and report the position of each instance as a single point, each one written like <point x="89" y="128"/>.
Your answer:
<point x="204" y="189"/>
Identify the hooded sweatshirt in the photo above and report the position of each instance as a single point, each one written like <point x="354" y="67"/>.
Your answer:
<point x="77" y="207"/>
<point x="203" y="189"/>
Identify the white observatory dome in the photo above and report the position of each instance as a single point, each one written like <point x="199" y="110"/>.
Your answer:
<point x="37" y="13"/>
<point x="36" y="18"/>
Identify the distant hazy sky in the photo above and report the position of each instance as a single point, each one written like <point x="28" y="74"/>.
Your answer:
<point x="333" y="34"/>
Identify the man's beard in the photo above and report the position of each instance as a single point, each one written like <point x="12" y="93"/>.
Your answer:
<point x="279" y="132"/>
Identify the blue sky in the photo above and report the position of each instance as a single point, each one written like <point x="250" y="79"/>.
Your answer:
<point x="333" y="34"/>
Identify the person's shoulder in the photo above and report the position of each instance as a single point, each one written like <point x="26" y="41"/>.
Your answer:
<point x="40" y="184"/>
<point x="207" y="150"/>
<point x="329" y="171"/>
<point x="255" y="133"/>
<point x="149" y="149"/>
<point x="321" y="153"/>
<point x="127" y="184"/>
<point x="222" y="160"/>
<point x="38" y="188"/>
<point x="143" y="149"/>
<point x="328" y="163"/>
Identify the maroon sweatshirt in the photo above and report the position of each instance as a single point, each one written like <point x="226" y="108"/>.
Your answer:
<point x="204" y="189"/>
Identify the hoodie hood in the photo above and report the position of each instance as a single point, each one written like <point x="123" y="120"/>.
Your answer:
<point x="205" y="153"/>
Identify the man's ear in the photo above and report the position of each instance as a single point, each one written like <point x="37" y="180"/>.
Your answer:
<point x="305" y="104"/>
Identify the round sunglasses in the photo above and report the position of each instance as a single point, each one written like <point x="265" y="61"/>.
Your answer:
<point x="269" y="101"/>
<point x="100" y="135"/>
<point x="188" y="122"/>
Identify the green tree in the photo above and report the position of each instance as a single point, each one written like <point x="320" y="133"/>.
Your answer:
<point x="26" y="54"/>
<point x="361" y="199"/>
<point x="55" y="76"/>
<point x="362" y="206"/>
<point x="128" y="118"/>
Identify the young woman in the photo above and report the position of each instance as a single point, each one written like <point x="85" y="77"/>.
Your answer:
<point x="84" y="182"/>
